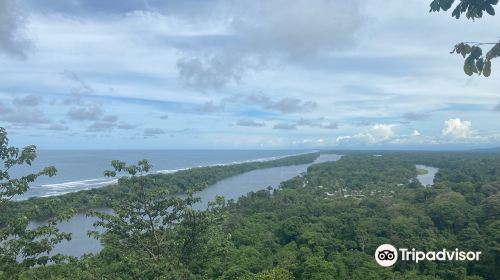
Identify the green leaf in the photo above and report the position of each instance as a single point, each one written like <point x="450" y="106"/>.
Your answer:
<point x="489" y="9"/>
<point x="476" y="52"/>
<point x="467" y="48"/>
<point x="456" y="12"/>
<point x="434" y="6"/>
<point x="469" y="67"/>
<point x="480" y="65"/>
<point x="487" y="68"/>
<point x="446" y="4"/>
<point x="494" y="52"/>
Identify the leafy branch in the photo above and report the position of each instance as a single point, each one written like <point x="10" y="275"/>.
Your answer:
<point x="23" y="246"/>
<point x="475" y="59"/>
<point x="472" y="8"/>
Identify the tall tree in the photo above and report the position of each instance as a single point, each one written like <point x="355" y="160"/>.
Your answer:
<point x="153" y="232"/>
<point x="22" y="246"/>
<point x="476" y="60"/>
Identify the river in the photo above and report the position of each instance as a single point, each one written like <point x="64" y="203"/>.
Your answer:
<point x="231" y="188"/>
<point x="427" y="180"/>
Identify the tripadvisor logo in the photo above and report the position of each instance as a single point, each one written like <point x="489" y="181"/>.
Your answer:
<point x="386" y="255"/>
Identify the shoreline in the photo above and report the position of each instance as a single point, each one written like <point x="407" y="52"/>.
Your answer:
<point x="103" y="181"/>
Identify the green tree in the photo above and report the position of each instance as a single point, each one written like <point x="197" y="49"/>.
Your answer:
<point x="449" y="210"/>
<point x="275" y="274"/>
<point x="21" y="246"/>
<point x="316" y="268"/>
<point x="152" y="232"/>
<point x="476" y="60"/>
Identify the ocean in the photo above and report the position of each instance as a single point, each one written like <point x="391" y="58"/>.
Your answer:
<point x="230" y="188"/>
<point x="83" y="169"/>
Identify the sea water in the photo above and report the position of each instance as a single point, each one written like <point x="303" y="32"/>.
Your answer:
<point x="83" y="169"/>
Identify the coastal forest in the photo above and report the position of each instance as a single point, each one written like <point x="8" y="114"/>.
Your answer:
<point x="324" y="224"/>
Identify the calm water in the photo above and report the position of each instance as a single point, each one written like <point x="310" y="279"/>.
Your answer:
<point x="230" y="188"/>
<point x="80" y="170"/>
<point x="427" y="179"/>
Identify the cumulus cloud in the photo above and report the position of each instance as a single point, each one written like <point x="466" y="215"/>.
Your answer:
<point x="21" y="115"/>
<point x="57" y="127"/>
<point x="456" y="128"/>
<point x="287" y="105"/>
<point x="321" y="123"/>
<point x="248" y="122"/>
<point x="310" y="142"/>
<point x="101" y="126"/>
<point x="256" y="34"/>
<point x="285" y="126"/>
<point x="152" y="132"/>
<point x="378" y="133"/>
<point x="383" y="131"/>
<point x="90" y="112"/>
<point x="207" y="73"/>
<point x="28" y="100"/>
<point x="25" y="116"/>
<point x="13" y="40"/>
<point x="106" y="123"/>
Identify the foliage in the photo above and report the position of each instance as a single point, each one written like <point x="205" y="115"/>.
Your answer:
<point x="302" y="231"/>
<point x="161" y="233"/>
<point x="472" y="8"/>
<point x="22" y="246"/>
<point x="475" y="59"/>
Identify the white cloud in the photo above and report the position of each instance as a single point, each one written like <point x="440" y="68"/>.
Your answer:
<point x="318" y="65"/>
<point x="258" y="35"/>
<point x="13" y="39"/>
<point x="310" y="142"/>
<point x="382" y="132"/>
<point x="377" y="133"/>
<point x="456" y="129"/>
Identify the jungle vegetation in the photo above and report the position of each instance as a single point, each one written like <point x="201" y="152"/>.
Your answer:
<point x="325" y="224"/>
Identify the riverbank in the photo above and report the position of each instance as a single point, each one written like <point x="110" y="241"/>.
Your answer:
<point x="83" y="170"/>
<point x="177" y="183"/>
<point x="230" y="188"/>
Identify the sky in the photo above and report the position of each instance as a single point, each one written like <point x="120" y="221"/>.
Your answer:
<point x="221" y="74"/>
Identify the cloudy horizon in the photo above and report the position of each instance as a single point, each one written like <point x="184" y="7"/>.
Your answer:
<point x="218" y="74"/>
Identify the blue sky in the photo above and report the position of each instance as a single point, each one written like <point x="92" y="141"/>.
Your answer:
<point x="223" y="74"/>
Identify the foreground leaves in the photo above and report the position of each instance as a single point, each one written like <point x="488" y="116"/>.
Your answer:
<point x="21" y="245"/>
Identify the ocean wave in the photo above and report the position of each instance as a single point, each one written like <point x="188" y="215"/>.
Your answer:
<point x="80" y="184"/>
<point x="48" y="190"/>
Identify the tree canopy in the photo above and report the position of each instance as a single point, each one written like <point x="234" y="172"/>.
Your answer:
<point x="22" y="246"/>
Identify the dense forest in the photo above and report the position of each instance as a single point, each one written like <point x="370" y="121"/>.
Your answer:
<point x="324" y="224"/>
